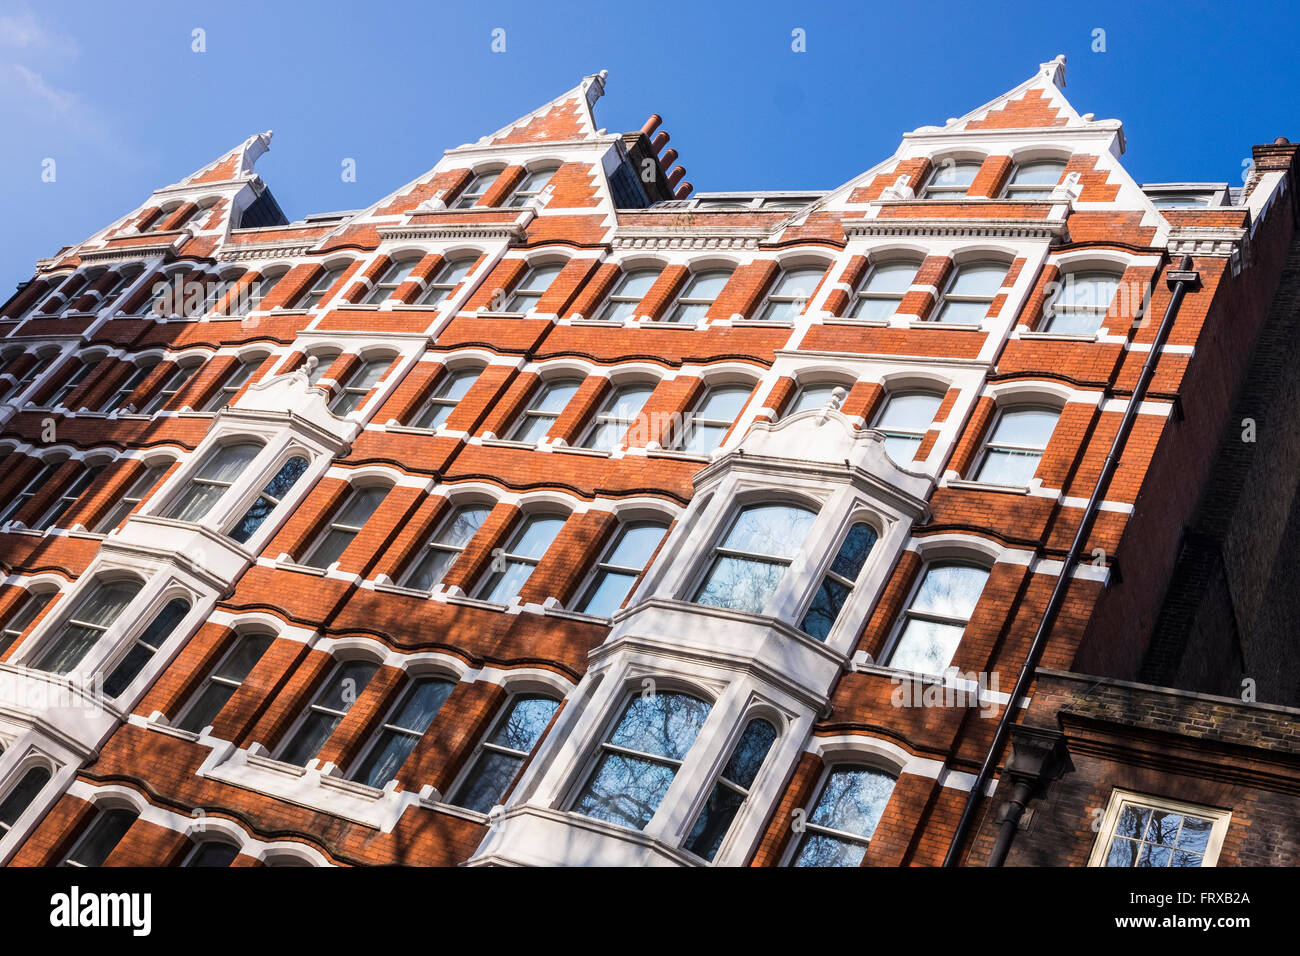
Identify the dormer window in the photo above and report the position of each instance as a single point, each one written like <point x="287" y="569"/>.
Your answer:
<point x="950" y="180"/>
<point x="474" y="190"/>
<point x="530" y="187"/>
<point x="1034" y="180"/>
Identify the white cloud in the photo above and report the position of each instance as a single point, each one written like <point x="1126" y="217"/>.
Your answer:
<point x="24" y="32"/>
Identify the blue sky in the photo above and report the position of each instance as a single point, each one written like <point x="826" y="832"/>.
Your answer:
<point x="116" y="96"/>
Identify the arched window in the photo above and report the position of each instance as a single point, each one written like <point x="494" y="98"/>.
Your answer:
<point x="750" y="560"/>
<point x="71" y="493"/>
<point x="638" y="761"/>
<point x="790" y="294"/>
<point x="100" y="838"/>
<point x="212" y="853"/>
<point x="518" y="560"/>
<point x="475" y="189"/>
<point x="699" y="295"/>
<point x="144" y="646"/>
<point x="882" y="290"/>
<point x="327" y="709"/>
<point x="94" y="615"/>
<point x="250" y="300"/>
<point x="1015" y="445"/>
<point x="224" y="679"/>
<point x="217" y="291"/>
<point x="535" y="281"/>
<point x="713" y="417"/>
<point x="38" y="481"/>
<point x="363" y="377"/>
<point x="904" y="420"/>
<point x="71" y="379"/>
<point x="838" y="582"/>
<point x="346" y="524"/>
<point x="1082" y="302"/>
<point x="321" y="288"/>
<point x="454" y="385"/>
<point x="811" y="396"/>
<point x="628" y="293"/>
<point x="623" y="561"/>
<point x="933" y="623"/>
<point x="212" y="480"/>
<point x="43" y="361"/>
<point x="176" y="379"/>
<point x="445" y="546"/>
<point x="1034" y="180"/>
<point x="970" y="293"/>
<point x="530" y="186"/>
<point x="544" y="407"/>
<point x="731" y="789"/>
<point x="32" y="605"/>
<point x="138" y="374"/>
<point x="445" y="281"/>
<point x="618" y="414"/>
<point x="839" y="828"/>
<point x="390" y="281"/>
<point x="119" y="288"/>
<point x="950" y="180"/>
<point x="132" y="497"/>
<point x="503" y="753"/>
<point x="269" y="499"/>
<point x="21" y="796"/>
<point x="325" y="358"/>
<point x="401" y="731"/>
<point x="232" y="382"/>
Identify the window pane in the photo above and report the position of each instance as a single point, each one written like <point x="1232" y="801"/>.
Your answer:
<point x="104" y="833"/>
<point x="740" y="585"/>
<point x="529" y="716"/>
<point x="1038" y="174"/>
<point x="811" y="397"/>
<point x="608" y="591"/>
<point x="330" y="549"/>
<point x="493" y="772"/>
<point x="213" y="855"/>
<point x="853" y="800"/>
<point x="714" y="821"/>
<point x="951" y="591"/>
<point x="636" y="284"/>
<point x="773" y="530"/>
<point x="853" y="552"/>
<point x="824" y="609"/>
<point x="818" y="849"/>
<point x="21" y="796"/>
<point x="706" y="285"/>
<point x="663" y="725"/>
<point x="625" y="790"/>
<point x="505" y="585"/>
<point x="724" y="404"/>
<point x="554" y="396"/>
<point x="346" y="686"/>
<point x="636" y="545"/>
<point x="153" y="637"/>
<point x="891" y="278"/>
<point x="948" y="173"/>
<point x="750" y="752"/>
<point x="979" y="280"/>
<point x="537" y="534"/>
<point x="1008" y="466"/>
<point x="1030" y="426"/>
<point x="926" y="646"/>
<point x="910" y="412"/>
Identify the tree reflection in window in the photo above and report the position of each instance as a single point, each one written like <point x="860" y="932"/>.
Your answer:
<point x="838" y="582"/>
<point x="753" y="556"/>
<point x="732" y="788"/>
<point x="839" y="828"/>
<point x="1148" y="836"/>
<point x="640" y="758"/>
<point x="271" y="495"/>
<point x="937" y="616"/>
<point x="503" y="753"/>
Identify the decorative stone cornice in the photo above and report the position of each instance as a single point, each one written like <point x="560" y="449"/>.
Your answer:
<point x="1224" y="241"/>
<point x="689" y="238"/>
<point x="264" y="250"/>
<point x="1049" y="229"/>
<point x="473" y="231"/>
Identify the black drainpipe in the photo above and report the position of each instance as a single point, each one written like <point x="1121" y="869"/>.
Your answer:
<point x="1179" y="282"/>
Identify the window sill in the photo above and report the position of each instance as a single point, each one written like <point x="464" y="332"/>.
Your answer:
<point x="678" y="455"/>
<point x="579" y="450"/>
<point x="964" y="485"/>
<point x="403" y="591"/>
<point x="507" y="443"/>
<point x="476" y="602"/>
<point x="1061" y="336"/>
<point x="294" y="566"/>
<point x="600" y="323"/>
<point x="665" y="324"/>
<point x="279" y="311"/>
<point x="950" y="326"/>
<point x="864" y="323"/>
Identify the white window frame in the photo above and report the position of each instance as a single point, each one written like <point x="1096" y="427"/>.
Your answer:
<point x="1220" y="820"/>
